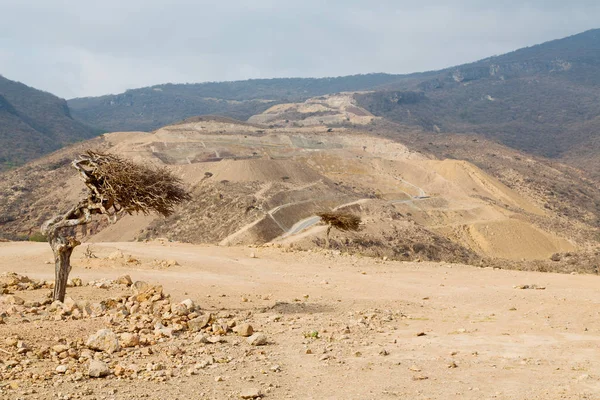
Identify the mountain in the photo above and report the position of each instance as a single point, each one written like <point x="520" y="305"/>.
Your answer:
<point x="33" y="123"/>
<point x="543" y="99"/>
<point x="153" y="107"/>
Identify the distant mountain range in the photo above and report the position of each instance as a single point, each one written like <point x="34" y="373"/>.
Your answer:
<point x="33" y="123"/>
<point x="543" y="99"/>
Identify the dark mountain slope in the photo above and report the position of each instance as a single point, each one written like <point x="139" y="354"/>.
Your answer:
<point x="543" y="99"/>
<point x="33" y="123"/>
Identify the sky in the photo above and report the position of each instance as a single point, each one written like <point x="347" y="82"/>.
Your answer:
<point x="89" y="48"/>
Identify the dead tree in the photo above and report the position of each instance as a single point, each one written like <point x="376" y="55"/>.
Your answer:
<point x="340" y="220"/>
<point x="115" y="186"/>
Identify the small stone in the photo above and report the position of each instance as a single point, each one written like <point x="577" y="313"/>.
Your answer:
<point x="219" y="379"/>
<point x="200" y="322"/>
<point x="69" y="305"/>
<point x="59" y="348"/>
<point x="61" y="369"/>
<point x="104" y="340"/>
<point x="12" y="299"/>
<point x="189" y="304"/>
<point x="244" y="330"/>
<point x="421" y="334"/>
<point x="257" y="339"/>
<point x="250" y="393"/>
<point x="129" y="339"/>
<point x="452" y="365"/>
<point x="124" y="280"/>
<point x="253" y="255"/>
<point x="98" y="369"/>
<point x="140" y="287"/>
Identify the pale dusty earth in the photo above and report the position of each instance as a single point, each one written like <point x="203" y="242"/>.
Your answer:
<point x="386" y="330"/>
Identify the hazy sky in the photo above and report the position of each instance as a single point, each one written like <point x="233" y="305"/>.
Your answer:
<point x="76" y="48"/>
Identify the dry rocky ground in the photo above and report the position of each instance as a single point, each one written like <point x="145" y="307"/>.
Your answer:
<point x="213" y="322"/>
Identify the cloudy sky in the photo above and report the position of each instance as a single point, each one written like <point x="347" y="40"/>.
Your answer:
<point x="76" y="48"/>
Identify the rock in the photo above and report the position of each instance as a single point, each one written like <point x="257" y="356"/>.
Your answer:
<point x="200" y="322"/>
<point x="69" y="305"/>
<point x="98" y="369"/>
<point x="250" y="393"/>
<point x="124" y="280"/>
<point x="59" y="348"/>
<point x="218" y="379"/>
<point x="77" y="282"/>
<point x="244" y="330"/>
<point x="140" y="287"/>
<point x="95" y="309"/>
<point x="104" y="340"/>
<point x="253" y="255"/>
<point x="129" y="340"/>
<point x="555" y="257"/>
<point x="189" y="304"/>
<point x="257" y="339"/>
<point x="179" y="309"/>
<point x="172" y="263"/>
<point x="12" y="299"/>
<point x="61" y="369"/>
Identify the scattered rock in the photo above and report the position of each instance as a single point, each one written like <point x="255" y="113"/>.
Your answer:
<point x="244" y="330"/>
<point x="129" y="339"/>
<point x="12" y="299"/>
<point x="104" y="340"/>
<point x="98" y="369"/>
<point x="250" y="393"/>
<point x="124" y="280"/>
<point x="61" y="369"/>
<point x="257" y="339"/>
<point x="140" y="287"/>
<point x="536" y="287"/>
<point x="200" y="322"/>
<point x="189" y="304"/>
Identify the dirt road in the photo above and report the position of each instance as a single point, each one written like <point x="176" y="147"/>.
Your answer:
<point x="385" y="330"/>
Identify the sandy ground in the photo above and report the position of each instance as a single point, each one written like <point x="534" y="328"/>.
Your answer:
<point x="387" y="330"/>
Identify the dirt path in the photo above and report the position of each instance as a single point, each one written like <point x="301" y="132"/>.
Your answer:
<point x="387" y="330"/>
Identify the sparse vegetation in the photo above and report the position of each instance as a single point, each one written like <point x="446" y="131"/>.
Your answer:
<point x="342" y="221"/>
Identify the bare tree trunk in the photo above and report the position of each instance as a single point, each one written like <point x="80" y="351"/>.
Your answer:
<point x="327" y="239"/>
<point x="62" y="247"/>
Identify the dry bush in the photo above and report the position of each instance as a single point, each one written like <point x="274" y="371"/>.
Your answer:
<point x="130" y="186"/>
<point x="341" y="220"/>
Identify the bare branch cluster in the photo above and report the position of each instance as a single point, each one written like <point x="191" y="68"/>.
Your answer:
<point x="341" y="220"/>
<point x="126" y="186"/>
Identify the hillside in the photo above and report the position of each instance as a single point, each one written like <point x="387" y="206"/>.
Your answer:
<point x="254" y="184"/>
<point x="544" y="100"/>
<point x="152" y="107"/>
<point x="34" y="123"/>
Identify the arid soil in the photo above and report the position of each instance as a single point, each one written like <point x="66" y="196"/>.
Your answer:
<point x="336" y="327"/>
